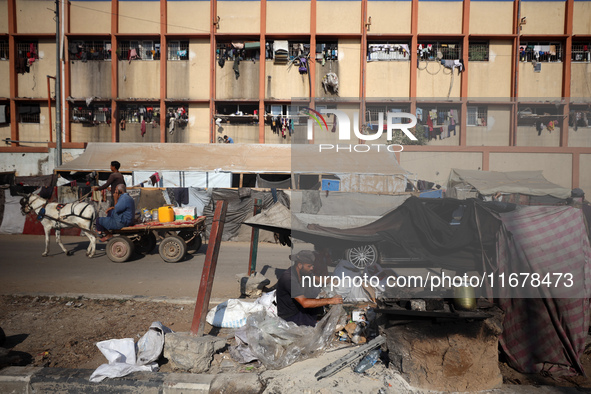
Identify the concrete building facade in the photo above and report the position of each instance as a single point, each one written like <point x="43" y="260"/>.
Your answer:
<point x="519" y="100"/>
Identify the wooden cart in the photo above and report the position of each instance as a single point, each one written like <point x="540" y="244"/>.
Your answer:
<point x="175" y="238"/>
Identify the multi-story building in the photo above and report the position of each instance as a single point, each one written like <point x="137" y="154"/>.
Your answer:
<point x="520" y="99"/>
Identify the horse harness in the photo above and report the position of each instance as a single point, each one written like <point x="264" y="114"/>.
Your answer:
<point x="60" y="218"/>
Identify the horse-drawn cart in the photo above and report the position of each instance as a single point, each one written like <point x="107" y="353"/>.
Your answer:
<point x="176" y="238"/>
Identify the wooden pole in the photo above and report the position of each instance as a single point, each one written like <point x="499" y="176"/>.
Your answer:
<point x="211" y="260"/>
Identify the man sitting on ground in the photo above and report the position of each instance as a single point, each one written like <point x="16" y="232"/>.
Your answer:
<point x="122" y="215"/>
<point x="295" y="303"/>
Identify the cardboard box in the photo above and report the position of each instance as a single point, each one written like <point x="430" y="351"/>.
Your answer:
<point x="180" y="213"/>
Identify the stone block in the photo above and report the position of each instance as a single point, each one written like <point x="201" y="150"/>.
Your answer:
<point x="190" y="353"/>
<point x="244" y="383"/>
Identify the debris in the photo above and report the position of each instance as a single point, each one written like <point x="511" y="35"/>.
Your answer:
<point x="350" y="358"/>
<point x="189" y="353"/>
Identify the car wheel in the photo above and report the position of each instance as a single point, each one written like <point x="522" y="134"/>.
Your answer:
<point x="362" y="256"/>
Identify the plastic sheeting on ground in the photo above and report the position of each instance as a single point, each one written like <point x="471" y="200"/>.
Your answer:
<point x="122" y="357"/>
<point x="278" y="344"/>
<point x="547" y="330"/>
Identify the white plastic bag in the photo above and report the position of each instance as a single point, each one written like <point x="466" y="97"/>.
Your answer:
<point x="150" y="346"/>
<point x="232" y="313"/>
<point x="269" y="301"/>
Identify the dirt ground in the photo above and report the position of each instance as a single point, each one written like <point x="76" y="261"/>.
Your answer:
<point x="62" y="333"/>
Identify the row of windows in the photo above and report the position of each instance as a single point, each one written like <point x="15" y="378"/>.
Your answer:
<point x="376" y="50"/>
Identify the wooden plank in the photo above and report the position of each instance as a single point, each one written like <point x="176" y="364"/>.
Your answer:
<point x="208" y="273"/>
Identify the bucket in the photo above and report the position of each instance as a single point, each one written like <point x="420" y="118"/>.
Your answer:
<point x="165" y="214"/>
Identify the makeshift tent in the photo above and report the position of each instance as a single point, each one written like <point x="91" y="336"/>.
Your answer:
<point x="469" y="183"/>
<point x="365" y="171"/>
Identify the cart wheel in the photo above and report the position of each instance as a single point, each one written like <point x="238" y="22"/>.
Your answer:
<point x="172" y="249"/>
<point x="192" y="239"/>
<point x="119" y="249"/>
<point x="145" y="244"/>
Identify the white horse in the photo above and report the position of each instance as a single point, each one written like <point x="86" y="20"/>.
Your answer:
<point x="58" y="216"/>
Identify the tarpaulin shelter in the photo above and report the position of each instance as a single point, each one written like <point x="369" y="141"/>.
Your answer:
<point x="213" y="165"/>
<point x="469" y="183"/>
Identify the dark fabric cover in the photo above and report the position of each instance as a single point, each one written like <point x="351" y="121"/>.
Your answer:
<point x="422" y="228"/>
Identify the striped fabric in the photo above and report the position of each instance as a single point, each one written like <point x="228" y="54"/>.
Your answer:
<point x="545" y="327"/>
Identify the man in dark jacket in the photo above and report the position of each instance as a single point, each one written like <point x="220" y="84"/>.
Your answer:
<point x="115" y="179"/>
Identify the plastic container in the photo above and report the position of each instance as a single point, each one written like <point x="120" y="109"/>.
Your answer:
<point x="154" y="215"/>
<point x="165" y="214"/>
<point x="368" y="361"/>
<point x="146" y="215"/>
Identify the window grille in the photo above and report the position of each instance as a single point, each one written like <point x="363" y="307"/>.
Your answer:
<point x="478" y="51"/>
<point x="540" y="52"/>
<point x="95" y="115"/>
<point x="90" y="50"/>
<point x="433" y="50"/>
<point x="178" y="50"/>
<point x="327" y="51"/>
<point x="579" y="117"/>
<point x="135" y="113"/>
<point x="380" y="51"/>
<point x="4" y="52"/>
<point x="581" y="52"/>
<point x="139" y="50"/>
<point x="28" y="50"/>
<point x="29" y="113"/>
<point x="477" y="116"/>
<point x="229" y="51"/>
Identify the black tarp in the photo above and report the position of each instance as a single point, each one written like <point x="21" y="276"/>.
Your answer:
<point x="423" y="229"/>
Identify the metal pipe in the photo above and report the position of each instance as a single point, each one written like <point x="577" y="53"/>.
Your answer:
<point x="49" y="105"/>
<point x="58" y="111"/>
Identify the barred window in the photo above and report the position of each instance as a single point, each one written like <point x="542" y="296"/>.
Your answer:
<point x="28" y="50"/>
<point x="4" y="53"/>
<point x="243" y="50"/>
<point x="435" y="50"/>
<point x="372" y="115"/>
<point x="178" y="50"/>
<point x="89" y="50"/>
<point x="540" y="52"/>
<point x="93" y="115"/>
<point x="384" y="50"/>
<point x="283" y="51"/>
<point x="29" y="113"/>
<point x="328" y="50"/>
<point x="139" y="50"/>
<point x="135" y="113"/>
<point x="581" y="52"/>
<point x="478" y="51"/>
<point x="477" y="116"/>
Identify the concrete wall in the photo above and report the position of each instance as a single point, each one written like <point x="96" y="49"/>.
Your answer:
<point x="38" y="131"/>
<point x="545" y="84"/>
<point x="271" y="138"/>
<point x="381" y="13"/>
<point x="240" y="133"/>
<point x="492" y="78"/>
<point x="5" y="131"/>
<point x="421" y="163"/>
<point x="35" y="16"/>
<point x="435" y="80"/>
<point x="556" y="167"/>
<point x="491" y="17"/>
<point x="496" y="131"/>
<point x="528" y="136"/>
<point x="139" y="17"/>
<point x="34" y="83"/>
<point x="197" y="129"/>
<point x="584" y="179"/>
<point x="192" y="17"/>
<point x="347" y="21"/>
<point x="441" y="17"/>
<point x="580" y="138"/>
<point x="284" y="83"/>
<point x="239" y="16"/>
<point x="190" y="79"/>
<point x="543" y="17"/>
<point x="581" y="19"/>
<point x="140" y="78"/>
<point x="4" y="78"/>
<point x="388" y="78"/>
<point x="132" y="133"/>
<point x="4" y="18"/>
<point x="245" y="87"/>
<point x="90" y="79"/>
<point x="580" y="83"/>
<point x="297" y="22"/>
<point x="90" y="17"/>
<point x="349" y="67"/>
<point x="99" y="133"/>
<point x="322" y="136"/>
<point x="321" y="71"/>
